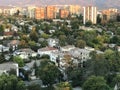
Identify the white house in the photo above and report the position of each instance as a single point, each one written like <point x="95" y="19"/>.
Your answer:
<point x="82" y="54"/>
<point x="25" y="53"/>
<point x="54" y="56"/>
<point x="4" y="49"/>
<point x="46" y="51"/>
<point x="52" y="42"/>
<point x="6" y="67"/>
<point x="67" y="48"/>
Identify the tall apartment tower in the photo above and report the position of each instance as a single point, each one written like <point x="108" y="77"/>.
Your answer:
<point x="50" y="12"/>
<point x="40" y="13"/>
<point x="90" y="14"/>
<point x="63" y="13"/>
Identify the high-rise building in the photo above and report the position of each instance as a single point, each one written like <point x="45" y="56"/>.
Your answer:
<point x="75" y="9"/>
<point x="31" y="11"/>
<point x="90" y="14"/>
<point x="50" y="12"/>
<point x="0" y="11"/>
<point x="109" y="14"/>
<point x="40" y="13"/>
<point x="64" y="13"/>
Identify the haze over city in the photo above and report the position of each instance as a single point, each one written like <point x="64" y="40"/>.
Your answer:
<point x="98" y="3"/>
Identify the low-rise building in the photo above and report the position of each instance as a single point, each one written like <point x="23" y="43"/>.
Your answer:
<point x="52" y="42"/>
<point x="25" y="53"/>
<point x="64" y="13"/>
<point x="6" y="67"/>
<point x="81" y="54"/>
<point x="67" y="48"/>
<point x="13" y="44"/>
<point x="4" y="48"/>
<point x="46" y="51"/>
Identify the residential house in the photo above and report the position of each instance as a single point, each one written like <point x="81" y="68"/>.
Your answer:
<point x="14" y="44"/>
<point x="6" y="67"/>
<point x="8" y="34"/>
<point x="46" y="51"/>
<point x="80" y="54"/>
<point x="25" y="53"/>
<point x="67" y="48"/>
<point x="4" y="48"/>
<point x="52" y="42"/>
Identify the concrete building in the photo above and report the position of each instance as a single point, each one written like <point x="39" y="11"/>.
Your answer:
<point x="46" y="51"/>
<point x="25" y="53"/>
<point x="64" y="13"/>
<point x="31" y="11"/>
<point x="75" y="9"/>
<point x="82" y="54"/>
<point x="40" y="13"/>
<point x="50" y="12"/>
<point x="4" y="48"/>
<point x="6" y="67"/>
<point x="109" y="14"/>
<point x="52" y="42"/>
<point x="90" y="14"/>
<point x="1" y="11"/>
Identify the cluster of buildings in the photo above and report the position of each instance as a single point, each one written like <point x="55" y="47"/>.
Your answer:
<point x="62" y="11"/>
<point x="46" y="12"/>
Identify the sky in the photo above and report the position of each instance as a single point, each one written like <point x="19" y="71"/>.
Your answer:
<point x="99" y="3"/>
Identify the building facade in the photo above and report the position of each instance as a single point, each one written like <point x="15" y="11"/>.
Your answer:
<point x="109" y="14"/>
<point x="64" y="13"/>
<point x="50" y="12"/>
<point x="40" y="13"/>
<point x="89" y="14"/>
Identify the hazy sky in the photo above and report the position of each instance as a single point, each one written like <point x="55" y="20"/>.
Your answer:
<point x="99" y="3"/>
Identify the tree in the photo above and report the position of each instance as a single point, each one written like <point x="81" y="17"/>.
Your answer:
<point x="118" y="17"/>
<point x="10" y="82"/>
<point x="1" y="29"/>
<point x="75" y="24"/>
<point x="48" y="72"/>
<point x="99" y="19"/>
<point x="80" y="43"/>
<point x="19" y="61"/>
<point x="23" y="44"/>
<point x="21" y="86"/>
<point x="63" y="86"/>
<point x="62" y="39"/>
<point x="33" y="45"/>
<point x="88" y="23"/>
<point x="75" y="74"/>
<point x="97" y="65"/>
<point x="117" y="81"/>
<point x="44" y="35"/>
<point x="34" y="87"/>
<point x="34" y="35"/>
<point x="95" y="83"/>
<point x="2" y="58"/>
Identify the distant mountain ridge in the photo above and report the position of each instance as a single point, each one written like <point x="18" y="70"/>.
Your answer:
<point x="98" y="3"/>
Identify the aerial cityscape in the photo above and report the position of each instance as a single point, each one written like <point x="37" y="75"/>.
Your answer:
<point x="59" y="45"/>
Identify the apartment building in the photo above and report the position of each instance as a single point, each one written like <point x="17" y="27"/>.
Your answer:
<point x="40" y="13"/>
<point x="90" y="14"/>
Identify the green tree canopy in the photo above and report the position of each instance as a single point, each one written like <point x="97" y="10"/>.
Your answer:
<point x="34" y="35"/>
<point x="11" y="83"/>
<point x="19" y="61"/>
<point x="80" y="43"/>
<point x="48" y="72"/>
<point x="95" y="83"/>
